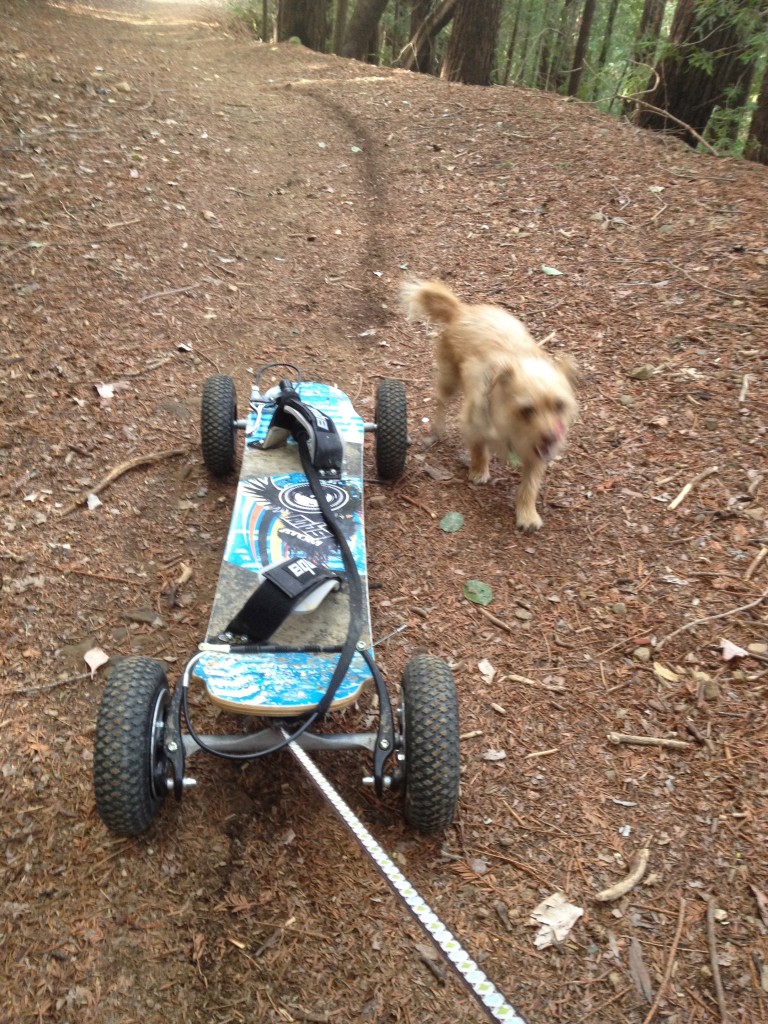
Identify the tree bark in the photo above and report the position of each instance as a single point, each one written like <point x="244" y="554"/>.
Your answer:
<point x="471" y="50"/>
<point x="418" y="54"/>
<point x="582" y="43"/>
<point x="756" y="148"/>
<point x="648" y="31"/>
<point x="306" y="20"/>
<point x="362" y="30"/>
<point x="607" y="35"/>
<point x="340" y="25"/>
<point x="703" y="62"/>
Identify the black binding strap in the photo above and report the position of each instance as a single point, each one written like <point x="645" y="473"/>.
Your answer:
<point x="284" y="587"/>
<point x="292" y="416"/>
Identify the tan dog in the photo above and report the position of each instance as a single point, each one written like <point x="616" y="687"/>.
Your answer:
<point x="515" y="396"/>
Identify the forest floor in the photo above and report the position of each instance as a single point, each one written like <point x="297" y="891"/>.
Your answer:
<point x="177" y="199"/>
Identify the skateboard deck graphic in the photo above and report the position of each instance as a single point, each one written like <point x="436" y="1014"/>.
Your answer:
<point x="276" y="516"/>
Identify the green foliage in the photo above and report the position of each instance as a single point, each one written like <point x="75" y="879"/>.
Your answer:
<point x="249" y="12"/>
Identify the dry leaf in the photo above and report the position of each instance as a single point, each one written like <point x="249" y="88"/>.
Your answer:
<point x="94" y="659"/>
<point x="664" y="673"/>
<point x="487" y="671"/>
<point x="639" y="972"/>
<point x="731" y="651"/>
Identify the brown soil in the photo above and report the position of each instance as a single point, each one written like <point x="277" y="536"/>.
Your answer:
<point x="178" y="199"/>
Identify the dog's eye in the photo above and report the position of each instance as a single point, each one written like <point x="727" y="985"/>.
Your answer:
<point x="559" y="406"/>
<point x="526" y="412"/>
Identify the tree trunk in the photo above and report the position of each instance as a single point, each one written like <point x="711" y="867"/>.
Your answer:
<point x="605" y="47"/>
<point x="562" y="62"/>
<point x="340" y="25"/>
<point x="362" y="29"/>
<point x="418" y="54"/>
<point x="511" y="44"/>
<point x="756" y="148"/>
<point x="703" y="62"/>
<point x="582" y="43"/>
<point x="306" y="20"/>
<point x="648" y="31"/>
<point x="471" y="50"/>
<point x="545" y="58"/>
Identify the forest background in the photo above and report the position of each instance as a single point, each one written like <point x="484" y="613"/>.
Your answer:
<point x="696" y="69"/>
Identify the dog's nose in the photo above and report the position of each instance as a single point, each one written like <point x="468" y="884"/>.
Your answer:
<point x="548" y="438"/>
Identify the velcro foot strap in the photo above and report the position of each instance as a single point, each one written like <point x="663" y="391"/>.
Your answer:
<point x="294" y="585"/>
<point x="292" y="416"/>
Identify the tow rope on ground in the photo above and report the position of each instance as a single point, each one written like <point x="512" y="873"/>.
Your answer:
<point x="481" y="987"/>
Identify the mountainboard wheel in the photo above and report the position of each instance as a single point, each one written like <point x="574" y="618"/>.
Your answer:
<point x="130" y="770"/>
<point x="218" y="413"/>
<point x="429" y="719"/>
<point x="391" y="429"/>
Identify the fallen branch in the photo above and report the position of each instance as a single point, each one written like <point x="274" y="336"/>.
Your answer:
<point x="418" y="504"/>
<point x="670" y="964"/>
<point x="713" y="960"/>
<point x="689" y="487"/>
<point x="552" y="687"/>
<point x="755" y="563"/>
<point x="638" y="866"/>
<point x="118" y="471"/>
<point x="710" y="618"/>
<point x="648" y="741"/>
<point x="173" y="291"/>
<point x="492" y="618"/>
<point x="25" y="691"/>
<point x="671" y="117"/>
<point x="704" y="740"/>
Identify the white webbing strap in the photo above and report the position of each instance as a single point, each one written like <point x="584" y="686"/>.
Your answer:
<point x="490" y="998"/>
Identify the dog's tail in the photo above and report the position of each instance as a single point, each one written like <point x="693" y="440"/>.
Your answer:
<point x="431" y="300"/>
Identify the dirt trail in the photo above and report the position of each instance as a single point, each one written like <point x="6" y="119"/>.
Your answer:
<point x="177" y="200"/>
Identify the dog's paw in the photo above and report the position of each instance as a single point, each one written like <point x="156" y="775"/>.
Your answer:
<point x="479" y="476"/>
<point x="529" y="522"/>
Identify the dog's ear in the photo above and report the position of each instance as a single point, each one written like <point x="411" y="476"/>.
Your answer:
<point x="569" y="369"/>
<point x="500" y="379"/>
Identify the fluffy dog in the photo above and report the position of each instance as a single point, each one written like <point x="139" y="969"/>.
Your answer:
<point x="515" y="396"/>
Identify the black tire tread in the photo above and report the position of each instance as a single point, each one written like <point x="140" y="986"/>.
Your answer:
<point x="432" y="757"/>
<point x="218" y="412"/>
<point x="391" y="429"/>
<point x="121" y="758"/>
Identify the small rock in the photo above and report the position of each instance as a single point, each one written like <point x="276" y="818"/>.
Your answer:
<point x="146" y="616"/>
<point x="627" y="401"/>
<point x="642" y="654"/>
<point x="74" y="653"/>
<point x="757" y="648"/>
<point x="644" y="372"/>
<point x="711" y="690"/>
<point x="619" y="608"/>
<point x="523" y="614"/>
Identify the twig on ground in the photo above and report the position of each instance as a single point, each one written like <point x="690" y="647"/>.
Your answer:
<point x="418" y="504"/>
<point x="704" y="740"/>
<point x="492" y="618"/>
<point x="756" y="562"/>
<point x="25" y="691"/>
<point x="689" y="487"/>
<point x="173" y="291"/>
<point x="118" y="471"/>
<point x="552" y="687"/>
<point x="670" y="964"/>
<point x="639" y="863"/>
<point x="710" y="618"/>
<point x="648" y="741"/>
<point x="713" y="960"/>
<point x="122" y="223"/>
